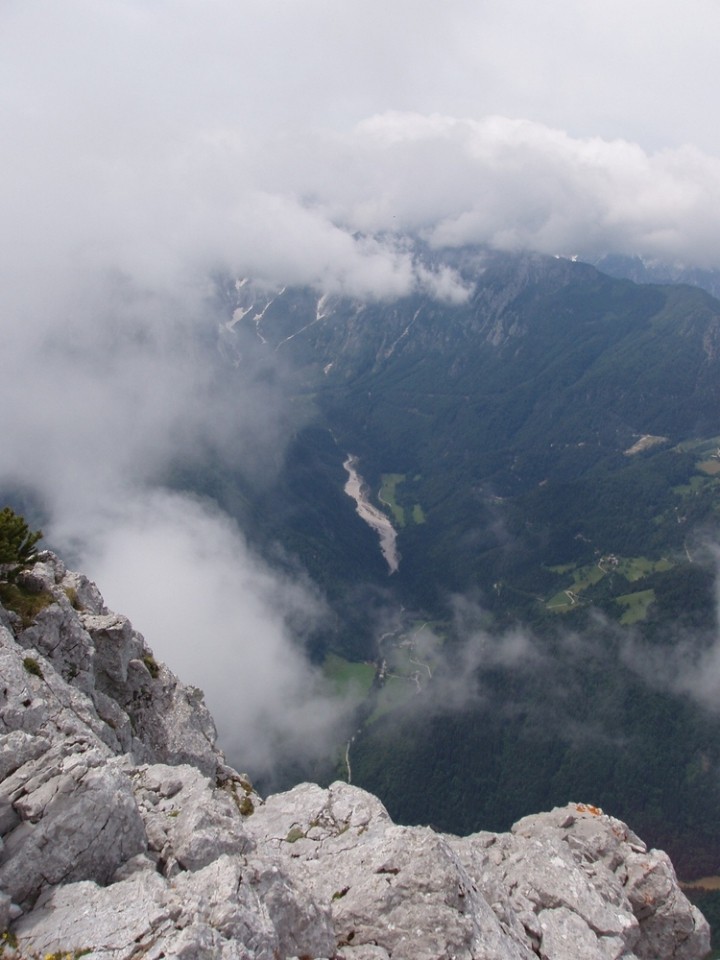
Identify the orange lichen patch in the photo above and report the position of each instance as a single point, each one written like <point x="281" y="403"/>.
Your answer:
<point x="588" y="808"/>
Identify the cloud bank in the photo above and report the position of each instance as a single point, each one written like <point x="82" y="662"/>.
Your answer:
<point x="225" y="622"/>
<point x="290" y="140"/>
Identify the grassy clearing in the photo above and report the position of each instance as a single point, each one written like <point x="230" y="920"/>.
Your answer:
<point x="585" y="577"/>
<point x="689" y="489"/>
<point x="711" y="467"/>
<point x="347" y="677"/>
<point x="560" y="602"/>
<point x="630" y="568"/>
<point x="635" y="568"/>
<point x="582" y="578"/>
<point x="636" y="605"/>
<point x="388" y="496"/>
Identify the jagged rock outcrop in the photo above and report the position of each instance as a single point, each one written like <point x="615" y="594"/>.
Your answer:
<point x="125" y="834"/>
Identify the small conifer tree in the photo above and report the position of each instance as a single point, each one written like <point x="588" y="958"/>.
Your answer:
<point x="17" y="541"/>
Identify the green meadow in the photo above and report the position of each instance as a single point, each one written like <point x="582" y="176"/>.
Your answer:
<point x="628" y="569"/>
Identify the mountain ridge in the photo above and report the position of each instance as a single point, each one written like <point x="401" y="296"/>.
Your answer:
<point x="540" y="382"/>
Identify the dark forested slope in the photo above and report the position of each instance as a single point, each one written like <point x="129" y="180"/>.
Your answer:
<point x="548" y="452"/>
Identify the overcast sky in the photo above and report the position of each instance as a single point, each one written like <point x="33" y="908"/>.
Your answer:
<point x="166" y="135"/>
<point x="148" y="144"/>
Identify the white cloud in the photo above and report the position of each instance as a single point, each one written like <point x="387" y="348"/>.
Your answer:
<point x="683" y="661"/>
<point x="222" y="620"/>
<point x="519" y="184"/>
<point x="688" y="667"/>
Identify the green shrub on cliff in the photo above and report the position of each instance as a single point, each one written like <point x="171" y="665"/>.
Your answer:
<point x="17" y="541"/>
<point x="17" y="550"/>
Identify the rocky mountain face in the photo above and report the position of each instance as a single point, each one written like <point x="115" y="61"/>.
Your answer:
<point x="125" y="834"/>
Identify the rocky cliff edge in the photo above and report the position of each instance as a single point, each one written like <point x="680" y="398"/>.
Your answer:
<point x="125" y="834"/>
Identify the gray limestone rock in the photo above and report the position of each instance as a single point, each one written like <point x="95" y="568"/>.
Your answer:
<point x="566" y="936"/>
<point x="188" y="820"/>
<point x="341" y="843"/>
<point x="256" y="903"/>
<point x="81" y="916"/>
<point x="637" y="885"/>
<point x="78" y="820"/>
<point x="662" y="909"/>
<point x="18" y="748"/>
